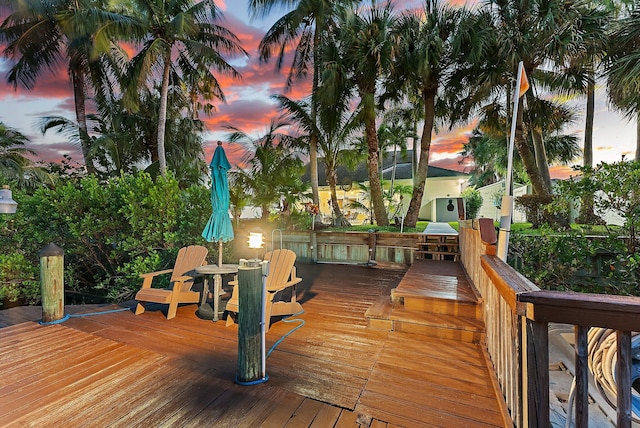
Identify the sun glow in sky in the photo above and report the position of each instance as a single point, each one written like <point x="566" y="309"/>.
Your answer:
<point x="250" y="109"/>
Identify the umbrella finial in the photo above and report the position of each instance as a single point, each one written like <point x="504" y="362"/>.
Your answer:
<point x="219" y="142"/>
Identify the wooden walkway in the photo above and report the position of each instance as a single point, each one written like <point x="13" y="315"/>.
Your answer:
<point x="119" y="369"/>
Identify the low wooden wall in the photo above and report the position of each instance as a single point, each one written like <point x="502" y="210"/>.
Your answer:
<point x="383" y="248"/>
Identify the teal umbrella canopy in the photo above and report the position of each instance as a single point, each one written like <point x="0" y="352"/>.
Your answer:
<point x="219" y="227"/>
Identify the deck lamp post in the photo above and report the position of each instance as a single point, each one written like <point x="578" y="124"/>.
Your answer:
<point x="7" y="204"/>
<point x="252" y="297"/>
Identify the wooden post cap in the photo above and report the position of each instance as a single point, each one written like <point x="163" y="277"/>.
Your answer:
<point x="51" y="250"/>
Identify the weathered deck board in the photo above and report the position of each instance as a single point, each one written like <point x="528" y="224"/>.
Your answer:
<point x="122" y="370"/>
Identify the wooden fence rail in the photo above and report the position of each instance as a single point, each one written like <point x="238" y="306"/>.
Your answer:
<point x="517" y="315"/>
<point x="385" y="248"/>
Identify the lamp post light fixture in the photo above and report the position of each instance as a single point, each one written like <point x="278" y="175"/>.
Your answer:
<point x="7" y="204"/>
<point x="255" y="241"/>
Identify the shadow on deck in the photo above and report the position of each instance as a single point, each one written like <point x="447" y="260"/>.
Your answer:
<point x="119" y="369"/>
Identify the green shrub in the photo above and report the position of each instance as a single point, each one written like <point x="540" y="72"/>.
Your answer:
<point x="111" y="231"/>
<point x="473" y="202"/>
<point x="18" y="279"/>
<point x="575" y="262"/>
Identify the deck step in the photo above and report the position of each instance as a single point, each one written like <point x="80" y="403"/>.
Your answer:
<point x="442" y="326"/>
<point x="423" y="301"/>
<point x="434" y="299"/>
<point x="386" y="315"/>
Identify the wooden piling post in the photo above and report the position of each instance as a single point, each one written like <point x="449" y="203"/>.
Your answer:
<point x="52" y="282"/>
<point x="249" y="325"/>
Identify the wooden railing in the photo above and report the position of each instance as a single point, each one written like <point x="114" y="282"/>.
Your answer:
<point x="517" y="314"/>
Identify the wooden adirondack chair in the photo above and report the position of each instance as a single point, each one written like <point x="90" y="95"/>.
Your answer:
<point x="282" y="275"/>
<point x="182" y="279"/>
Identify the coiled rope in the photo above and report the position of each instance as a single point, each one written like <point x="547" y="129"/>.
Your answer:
<point x="602" y="356"/>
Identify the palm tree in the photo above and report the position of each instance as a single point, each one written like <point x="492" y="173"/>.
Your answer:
<point x="537" y="33"/>
<point x="181" y="39"/>
<point x="488" y="144"/>
<point x="333" y="130"/>
<point x="303" y="27"/>
<point x="14" y="162"/>
<point x="122" y="141"/>
<point x="42" y="35"/>
<point x="359" y="57"/>
<point x="623" y="69"/>
<point x="271" y="166"/>
<point x="427" y="49"/>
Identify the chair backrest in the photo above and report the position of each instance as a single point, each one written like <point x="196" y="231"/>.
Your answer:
<point x="280" y="266"/>
<point x="187" y="260"/>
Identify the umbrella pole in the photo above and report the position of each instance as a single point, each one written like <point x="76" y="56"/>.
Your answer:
<point x="219" y="253"/>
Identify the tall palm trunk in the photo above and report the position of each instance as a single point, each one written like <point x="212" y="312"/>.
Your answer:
<point x="375" y="186"/>
<point x="420" y="179"/>
<point x="313" y="141"/>
<point x="527" y="157"/>
<point x="79" y="95"/>
<point x="332" y="180"/>
<point x="638" y="138"/>
<point x="588" y="126"/>
<point x="162" y="114"/>
<point x="541" y="155"/>
<point x="539" y="150"/>
<point x="587" y="214"/>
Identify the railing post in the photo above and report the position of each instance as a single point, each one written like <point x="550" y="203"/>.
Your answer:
<point x="581" y="376"/>
<point x="536" y="374"/>
<point x="314" y="247"/>
<point x="623" y="379"/>
<point x="52" y="282"/>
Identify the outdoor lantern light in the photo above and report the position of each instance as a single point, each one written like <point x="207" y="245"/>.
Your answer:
<point x="255" y="241"/>
<point x="7" y="204"/>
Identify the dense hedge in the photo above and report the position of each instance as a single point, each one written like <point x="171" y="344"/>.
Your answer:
<point x="577" y="262"/>
<point x="110" y="231"/>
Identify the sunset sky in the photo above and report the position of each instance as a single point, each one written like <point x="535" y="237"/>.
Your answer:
<point x="249" y="108"/>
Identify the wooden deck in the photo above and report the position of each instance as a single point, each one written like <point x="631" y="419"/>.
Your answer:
<point x="119" y="369"/>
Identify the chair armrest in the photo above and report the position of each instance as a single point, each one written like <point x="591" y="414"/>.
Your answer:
<point x="148" y="277"/>
<point x="177" y="282"/>
<point x="152" y="274"/>
<point x="293" y="281"/>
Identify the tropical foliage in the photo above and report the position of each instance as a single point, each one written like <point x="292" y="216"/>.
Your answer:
<point x="377" y="75"/>
<point x="111" y="231"/>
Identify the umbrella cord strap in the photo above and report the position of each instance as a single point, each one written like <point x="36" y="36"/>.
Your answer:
<point x="287" y="320"/>
<point x="88" y="314"/>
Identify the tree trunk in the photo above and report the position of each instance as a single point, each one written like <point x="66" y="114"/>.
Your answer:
<point x="527" y="157"/>
<point x="374" y="175"/>
<point x="541" y="156"/>
<point x="162" y="115"/>
<point x="638" y="138"/>
<point x="79" y="95"/>
<point x="313" y="142"/>
<point x="423" y="164"/>
<point x="539" y="150"/>
<point x="587" y="214"/>
<point x="588" y="126"/>
<point x="332" y="180"/>
<point x="414" y="157"/>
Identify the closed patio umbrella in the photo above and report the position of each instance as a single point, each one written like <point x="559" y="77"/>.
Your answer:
<point x="219" y="228"/>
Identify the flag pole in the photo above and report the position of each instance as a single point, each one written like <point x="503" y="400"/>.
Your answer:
<point x="506" y="209"/>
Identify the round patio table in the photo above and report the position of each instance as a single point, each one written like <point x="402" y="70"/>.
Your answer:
<point x="217" y="272"/>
